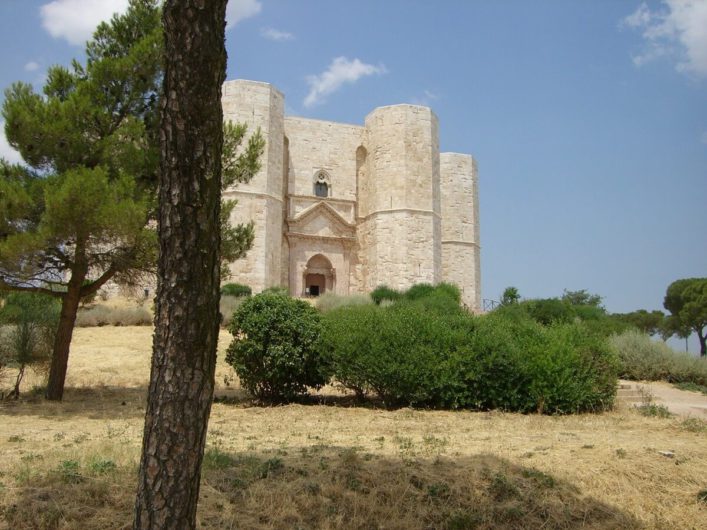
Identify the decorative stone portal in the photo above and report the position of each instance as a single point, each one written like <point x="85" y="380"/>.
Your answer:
<point x="319" y="276"/>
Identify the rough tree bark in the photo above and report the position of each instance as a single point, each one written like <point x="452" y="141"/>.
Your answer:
<point x="187" y="317"/>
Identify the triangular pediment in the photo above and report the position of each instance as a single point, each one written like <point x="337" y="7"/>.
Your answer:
<point x="321" y="219"/>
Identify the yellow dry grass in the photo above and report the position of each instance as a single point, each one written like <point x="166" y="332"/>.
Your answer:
<point x="72" y="465"/>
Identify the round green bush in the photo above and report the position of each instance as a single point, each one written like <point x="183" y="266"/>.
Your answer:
<point x="276" y="347"/>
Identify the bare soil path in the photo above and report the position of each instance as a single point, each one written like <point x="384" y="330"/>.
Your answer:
<point x="679" y="402"/>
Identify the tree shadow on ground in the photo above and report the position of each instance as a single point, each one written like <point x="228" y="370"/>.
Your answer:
<point x="96" y="403"/>
<point x="326" y="487"/>
<point x="120" y="402"/>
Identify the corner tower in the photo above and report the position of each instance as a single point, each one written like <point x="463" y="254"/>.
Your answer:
<point x="399" y="203"/>
<point x="262" y="199"/>
<point x="460" y="226"/>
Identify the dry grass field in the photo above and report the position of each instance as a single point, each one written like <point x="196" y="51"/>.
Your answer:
<point x="329" y="465"/>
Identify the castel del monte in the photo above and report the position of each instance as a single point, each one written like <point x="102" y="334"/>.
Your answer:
<point x="346" y="208"/>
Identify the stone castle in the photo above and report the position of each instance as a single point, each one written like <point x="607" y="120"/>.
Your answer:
<point x="345" y="208"/>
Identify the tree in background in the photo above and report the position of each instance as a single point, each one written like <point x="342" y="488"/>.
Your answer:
<point x="510" y="296"/>
<point x="649" y="322"/>
<point x="27" y="329"/>
<point x="686" y="300"/>
<point x="186" y="321"/>
<point x="581" y="297"/>
<point x="76" y="216"/>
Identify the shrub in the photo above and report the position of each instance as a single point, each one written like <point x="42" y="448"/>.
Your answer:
<point x="29" y="323"/>
<point x="643" y="358"/>
<point x="410" y="355"/>
<point x="450" y="290"/>
<point x="236" y="290"/>
<point x="442" y="298"/>
<point x="551" y="311"/>
<point x="393" y="351"/>
<point x="383" y="292"/>
<point x="418" y="291"/>
<point x="433" y="294"/>
<point x="548" y="311"/>
<point x="573" y="370"/>
<point x="278" y="290"/>
<point x="330" y="301"/>
<point x="275" y="351"/>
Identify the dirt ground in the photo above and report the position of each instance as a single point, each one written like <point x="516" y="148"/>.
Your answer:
<point x="331" y="465"/>
<point x="681" y="402"/>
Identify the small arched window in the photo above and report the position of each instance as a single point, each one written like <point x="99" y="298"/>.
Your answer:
<point x="321" y="189"/>
<point x="322" y="184"/>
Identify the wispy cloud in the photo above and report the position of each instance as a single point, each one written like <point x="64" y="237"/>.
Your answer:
<point x="426" y="99"/>
<point x="341" y="71"/>
<point x="6" y="151"/>
<point x="31" y="66"/>
<point x="75" y="20"/>
<point x="640" y="17"/>
<point x="276" y="34"/>
<point x="677" y="30"/>
<point x="238" y="10"/>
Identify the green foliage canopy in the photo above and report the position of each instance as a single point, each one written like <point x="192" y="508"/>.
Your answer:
<point x="510" y="296"/>
<point x="649" y="322"/>
<point x="79" y="206"/>
<point x="81" y="211"/>
<point x="686" y="300"/>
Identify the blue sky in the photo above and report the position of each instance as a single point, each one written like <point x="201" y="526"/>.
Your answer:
<point x="588" y="119"/>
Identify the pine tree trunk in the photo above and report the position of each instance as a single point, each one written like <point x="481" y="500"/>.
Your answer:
<point x="62" y="341"/>
<point x="703" y="343"/>
<point x="187" y="317"/>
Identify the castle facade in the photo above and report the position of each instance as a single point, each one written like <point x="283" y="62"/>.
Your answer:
<point x="345" y="208"/>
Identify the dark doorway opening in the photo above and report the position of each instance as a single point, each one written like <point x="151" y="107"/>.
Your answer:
<point x="316" y="284"/>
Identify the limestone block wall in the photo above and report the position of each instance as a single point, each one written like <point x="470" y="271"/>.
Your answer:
<point x="399" y="203"/>
<point x="261" y="200"/>
<point x="322" y="145"/>
<point x="460" y="226"/>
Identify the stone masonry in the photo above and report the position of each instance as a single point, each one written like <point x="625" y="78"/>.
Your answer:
<point x="345" y="208"/>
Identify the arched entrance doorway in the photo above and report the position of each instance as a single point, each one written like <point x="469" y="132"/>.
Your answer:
<point x="319" y="276"/>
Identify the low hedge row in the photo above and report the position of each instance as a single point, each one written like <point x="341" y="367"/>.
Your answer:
<point x="423" y="358"/>
<point x="421" y="351"/>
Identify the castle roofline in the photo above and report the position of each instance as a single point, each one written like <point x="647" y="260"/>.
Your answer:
<point x="337" y="123"/>
<point x="263" y="84"/>
<point x="399" y="105"/>
<point x="454" y="153"/>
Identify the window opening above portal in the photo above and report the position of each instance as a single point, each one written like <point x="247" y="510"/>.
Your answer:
<point x="322" y="183"/>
